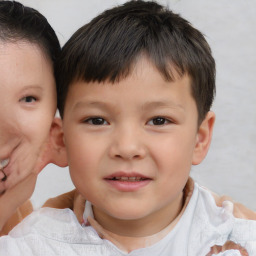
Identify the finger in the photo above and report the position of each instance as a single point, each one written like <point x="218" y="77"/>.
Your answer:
<point x="2" y="184"/>
<point x="22" y="191"/>
<point x="2" y="187"/>
<point x="15" y="197"/>
<point x="14" y="178"/>
<point x="20" y="167"/>
<point x="16" y="174"/>
<point x="78" y="208"/>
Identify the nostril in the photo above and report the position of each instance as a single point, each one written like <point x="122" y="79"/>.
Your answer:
<point x="128" y="156"/>
<point x="127" y="148"/>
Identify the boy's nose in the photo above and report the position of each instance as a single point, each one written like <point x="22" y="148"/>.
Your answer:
<point x="127" y="144"/>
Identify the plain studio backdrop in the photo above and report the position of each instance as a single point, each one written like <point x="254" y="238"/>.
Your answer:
<point x="230" y="29"/>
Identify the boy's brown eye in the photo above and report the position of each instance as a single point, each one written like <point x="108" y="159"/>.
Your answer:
<point x="96" y="121"/>
<point x="159" y="121"/>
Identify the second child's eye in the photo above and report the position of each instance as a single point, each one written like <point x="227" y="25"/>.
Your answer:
<point x="96" y="121"/>
<point x="28" y="99"/>
<point x="159" y="121"/>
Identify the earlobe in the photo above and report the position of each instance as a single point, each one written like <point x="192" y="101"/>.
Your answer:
<point x="204" y="136"/>
<point x="59" y="155"/>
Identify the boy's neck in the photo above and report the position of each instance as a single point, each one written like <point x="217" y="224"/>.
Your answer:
<point x="136" y="239"/>
<point x="146" y="226"/>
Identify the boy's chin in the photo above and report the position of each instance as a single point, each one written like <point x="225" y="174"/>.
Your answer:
<point x="128" y="213"/>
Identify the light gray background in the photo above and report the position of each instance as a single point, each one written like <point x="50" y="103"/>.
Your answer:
<point x="230" y="28"/>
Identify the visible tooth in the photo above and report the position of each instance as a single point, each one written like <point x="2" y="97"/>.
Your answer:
<point x="132" y="178"/>
<point x="3" y="163"/>
<point x="124" y="178"/>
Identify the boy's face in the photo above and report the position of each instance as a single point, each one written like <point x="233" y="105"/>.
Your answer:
<point x="131" y="144"/>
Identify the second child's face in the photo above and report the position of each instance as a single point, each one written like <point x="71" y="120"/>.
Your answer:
<point x="131" y="144"/>
<point x="28" y="105"/>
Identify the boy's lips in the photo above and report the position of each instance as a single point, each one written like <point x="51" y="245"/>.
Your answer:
<point x="126" y="176"/>
<point x="127" y="182"/>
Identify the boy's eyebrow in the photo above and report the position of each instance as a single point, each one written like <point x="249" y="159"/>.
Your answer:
<point x="82" y="104"/>
<point x="146" y="105"/>
<point x="164" y="103"/>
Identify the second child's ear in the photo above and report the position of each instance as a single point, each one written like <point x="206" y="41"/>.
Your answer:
<point x="58" y="149"/>
<point x="204" y="137"/>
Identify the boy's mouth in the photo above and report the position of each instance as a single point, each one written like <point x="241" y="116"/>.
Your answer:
<point x="129" y="179"/>
<point x="127" y="176"/>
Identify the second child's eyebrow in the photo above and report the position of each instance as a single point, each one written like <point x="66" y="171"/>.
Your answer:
<point x="31" y="87"/>
<point x="28" y="88"/>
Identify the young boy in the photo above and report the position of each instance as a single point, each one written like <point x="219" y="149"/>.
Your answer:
<point x="135" y="88"/>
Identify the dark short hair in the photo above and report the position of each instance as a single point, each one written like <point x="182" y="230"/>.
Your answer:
<point x="21" y="23"/>
<point x="106" y="49"/>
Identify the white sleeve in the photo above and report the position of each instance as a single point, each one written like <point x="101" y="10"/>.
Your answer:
<point x="10" y="247"/>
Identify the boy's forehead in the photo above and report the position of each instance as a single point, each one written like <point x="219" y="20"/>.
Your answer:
<point x="145" y="80"/>
<point x="149" y="83"/>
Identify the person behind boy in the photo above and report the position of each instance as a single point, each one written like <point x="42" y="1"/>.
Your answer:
<point x="135" y="88"/>
<point x="28" y="50"/>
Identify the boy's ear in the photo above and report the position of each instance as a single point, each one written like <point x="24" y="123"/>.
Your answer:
<point x="204" y="137"/>
<point x="58" y="149"/>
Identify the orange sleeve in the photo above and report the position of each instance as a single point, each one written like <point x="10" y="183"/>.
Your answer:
<point x="17" y="217"/>
<point x="72" y="200"/>
<point x="62" y="201"/>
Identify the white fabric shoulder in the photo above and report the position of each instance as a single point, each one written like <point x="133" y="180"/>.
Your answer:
<point x="215" y="225"/>
<point x="49" y="232"/>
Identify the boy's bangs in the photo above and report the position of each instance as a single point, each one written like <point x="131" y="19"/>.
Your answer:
<point x="116" y="71"/>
